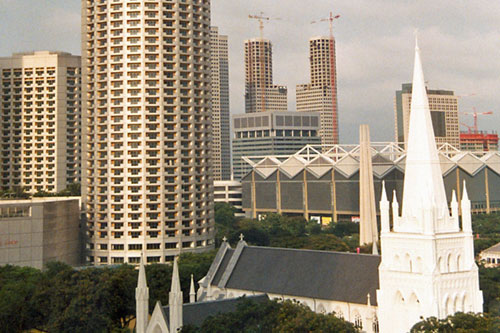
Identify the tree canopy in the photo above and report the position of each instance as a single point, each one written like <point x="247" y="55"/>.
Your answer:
<point x="272" y="316"/>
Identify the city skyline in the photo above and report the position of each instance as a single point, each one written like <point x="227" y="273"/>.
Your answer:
<point x="372" y="50"/>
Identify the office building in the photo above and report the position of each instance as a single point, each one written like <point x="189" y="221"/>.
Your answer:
<point x="271" y="133"/>
<point x="444" y="114"/>
<point x="147" y="183"/>
<point x="229" y="191"/>
<point x="260" y="93"/>
<point x="219" y="75"/>
<point x="37" y="231"/>
<point x="479" y="141"/>
<point x="321" y="94"/>
<point x="41" y="121"/>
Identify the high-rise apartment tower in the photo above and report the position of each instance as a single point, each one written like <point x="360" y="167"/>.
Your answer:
<point x="260" y="92"/>
<point x="321" y="94"/>
<point x="147" y="183"/>
<point x="219" y="75"/>
<point x="41" y="115"/>
<point x="444" y="114"/>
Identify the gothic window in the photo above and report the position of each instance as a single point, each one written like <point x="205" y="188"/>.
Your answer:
<point x="375" y="327"/>
<point x="321" y="309"/>
<point x="457" y="306"/>
<point x="459" y="259"/>
<point x="339" y="313"/>
<point x="448" y="263"/>
<point x="358" y="322"/>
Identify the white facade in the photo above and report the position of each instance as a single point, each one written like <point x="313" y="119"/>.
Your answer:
<point x="147" y="184"/>
<point x="229" y="191"/>
<point x="428" y="266"/>
<point x="41" y="121"/>
<point x="219" y="83"/>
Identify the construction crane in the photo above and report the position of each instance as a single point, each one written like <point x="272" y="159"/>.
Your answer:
<point x="474" y="114"/>
<point x="261" y="18"/>
<point x="330" y="20"/>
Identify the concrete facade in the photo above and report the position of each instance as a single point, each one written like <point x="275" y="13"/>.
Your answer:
<point x="219" y="76"/>
<point x="271" y="132"/>
<point x="444" y="112"/>
<point x="147" y="184"/>
<point x="34" y="232"/>
<point x="260" y="92"/>
<point x="229" y="191"/>
<point x="321" y="94"/>
<point x="40" y="103"/>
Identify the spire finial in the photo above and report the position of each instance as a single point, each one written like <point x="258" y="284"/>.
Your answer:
<point x="141" y="281"/>
<point x="192" y="292"/>
<point x="465" y="196"/>
<point x="176" y="284"/>
<point x="224" y="239"/>
<point x="415" y="32"/>
<point x="384" y="194"/>
<point x="241" y="237"/>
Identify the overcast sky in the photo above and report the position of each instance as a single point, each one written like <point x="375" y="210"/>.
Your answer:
<point x="459" y="39"/>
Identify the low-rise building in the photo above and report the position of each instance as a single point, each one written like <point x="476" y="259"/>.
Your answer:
<point x="273" y="133"/>
<point x="491" y="256"/>
<point x="36" y="231"/>
<point x="229" y="191"/>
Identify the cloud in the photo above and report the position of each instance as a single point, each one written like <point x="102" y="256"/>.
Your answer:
<point x="374" y="42"/>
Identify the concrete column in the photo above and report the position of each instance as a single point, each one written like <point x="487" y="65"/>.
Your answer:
<point x="368" y="216"/>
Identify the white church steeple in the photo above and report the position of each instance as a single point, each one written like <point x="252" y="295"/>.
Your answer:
<point x="175" y="301"/>
<point x="142" y="300"/>
<point x="427" y="266"/>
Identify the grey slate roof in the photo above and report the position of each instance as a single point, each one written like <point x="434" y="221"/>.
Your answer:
<point x="494" y="248"/>
<point x="336" y="276"/>
<point x="196" y="313"/>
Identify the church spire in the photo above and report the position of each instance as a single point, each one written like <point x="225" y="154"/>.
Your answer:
<point x="175" y="300"/>
<point x="192" y="292"/>
<point x="141" y="300"/>
<point x="423" y="177"/>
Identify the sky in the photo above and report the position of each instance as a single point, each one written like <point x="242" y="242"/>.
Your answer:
<point x="459" y="41"/>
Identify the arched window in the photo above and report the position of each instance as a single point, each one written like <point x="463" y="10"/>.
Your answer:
<point x="397" y="263"/>
<point x="407" y="263"/>
<point x="448" y="306"/>
<point x="459" y="264"/>
<point x="399" y="297"/>
<point x="375" y="326"/>
<point x="457" y="307"/>
<point x="448" y="263"/>
<point x="320" y="309"/>
<point x="465" y="304"/>
<point x="339" y="313"/>
<point x="440" y="264"/>
<point x="358" y="322"/>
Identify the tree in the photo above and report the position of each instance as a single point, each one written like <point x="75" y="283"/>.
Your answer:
<point x="272" y="316"/>
<point x="459" y="323"/>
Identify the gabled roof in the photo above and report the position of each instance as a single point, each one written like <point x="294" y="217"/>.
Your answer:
<point x="336" y="276"/>
<point x="493" y="249"/>
<point x="196" y="313"/>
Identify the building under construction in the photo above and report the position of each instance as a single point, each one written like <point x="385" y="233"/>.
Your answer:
<point x="323" y="184"/>
<point x="479" y="141"/>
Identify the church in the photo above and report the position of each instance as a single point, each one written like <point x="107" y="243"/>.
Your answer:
<point x="426" y="267"/>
